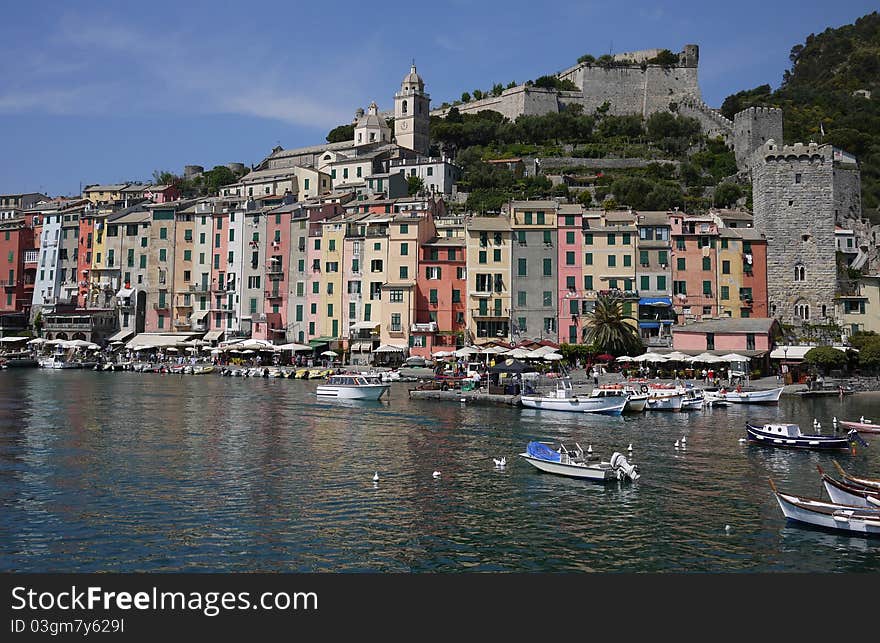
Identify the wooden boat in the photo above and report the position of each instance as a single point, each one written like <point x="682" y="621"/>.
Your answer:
<point x="572" y="463"/>
<point x="769" y="396"/>
<point x="664" y="398"/>
<point x="203" y="370"/>
<point x="352" y="386"/>
<point x="862" y="426"/>
<point x="789" y="436"/>
<point x="846" y="494"/>
<point x="829" y="515"/>
<point x="867" y="483"/>
<point x="564" y="399"/>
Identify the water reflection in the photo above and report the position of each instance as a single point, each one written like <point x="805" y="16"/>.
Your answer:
<point x="131" y="472"/>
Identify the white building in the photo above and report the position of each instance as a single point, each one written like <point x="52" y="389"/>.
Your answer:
<point x="48" y="280"/>
<point x="438" y="175"/>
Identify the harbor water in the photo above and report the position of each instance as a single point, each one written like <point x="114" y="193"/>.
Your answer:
<point x="128" y="472"/>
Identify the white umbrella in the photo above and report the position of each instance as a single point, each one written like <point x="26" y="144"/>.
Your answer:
<point x="624" y="358"/>
<point x="247" y="352"/>
<point x="707" y="358"/>
<point x="192" y="349"/>
<point x="517" y="353"/>
<point x="493" y="350"/>
<point x="37" y="340"/>
<point x="676" y="356"/>
<point x="171" y="349"/>
<point x="467" y="350"/>
<point x="734" y="357"/>
<point x="94" y="347"/>
<point x="330" y="354"/>
<point x="12" y="340"/>
<point x="650" y="357"/>
<point x="552" y="357"/>
<point x="293" y="347"/>
<point x="440" y="354"/>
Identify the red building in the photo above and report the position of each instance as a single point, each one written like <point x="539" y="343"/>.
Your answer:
<point x="84" y="256"/>
<point x="441" y="300"/>
<point x="16" y="275"/>
<point x="278" y="253"/>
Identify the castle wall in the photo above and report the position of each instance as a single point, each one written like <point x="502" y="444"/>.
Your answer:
<point x="797" y="217"/>
<point x="714" y="124"/>
<point x="752" y="128"/>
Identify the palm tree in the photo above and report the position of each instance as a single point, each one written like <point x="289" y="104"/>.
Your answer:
<point x="608" y="329"/>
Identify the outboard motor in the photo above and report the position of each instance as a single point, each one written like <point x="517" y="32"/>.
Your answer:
<point x="623" y="468"/>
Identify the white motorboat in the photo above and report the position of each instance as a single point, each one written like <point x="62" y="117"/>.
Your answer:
<point x="769" y="396"/>
<point x="353" y="387"/>
<point x="635" y="400"/>
<point x="564" y="399"/>
<point x="664" y="398"/>
<point x="693" y="398"/>
<point x="57" y="361"/>
<point x="572" y="463"/>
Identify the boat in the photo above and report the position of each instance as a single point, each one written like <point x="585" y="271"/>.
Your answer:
<point x="862" y="426"/>
<point x="664" y="398"/>
<point x="693" y="398"/>
<point x="847" y="494"/>
<point x="572" y="463"/>
<point x="635" y="400"/>
<point x="769" y="396"/>
<point x="203" y="370"/>
<point x="788" y="435"/>
<point x="867" y="483"/>
<point x="352" y="386"/>
<point x="829" y="515"/>
<point x="564" y="399"/>
<point x="57" y="361"/>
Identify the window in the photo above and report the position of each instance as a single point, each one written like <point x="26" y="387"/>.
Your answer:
<point x="588" y="259"/>
<point x="799" y="273"/>
<point x="521" y="324"/>
<point x="661" y="282"/>
<point x="527" y="218"/>
<point x="710" y="341"/>
<point x="432" y="296"/>
<point x="549" y="324"/>
<point x="569" y="258"/>
<point x="484" y="239"/>
<point x="725" y="267"/>
<point x="367" y="309"/>
<point x="569" y="238"/>
<point x="725" y="292"/>
<point x="316" y="287"/>
<point x="143" y="261"/>
<point x="548" y="239"/>
<point x="456" y="296"/>
<point x="521" y="298"/>
<point x="376" y="265"/>
<point x="645" y="282"/>
<point x="569" y="220"/>
<point x="663" y="258"/>
<point x="522" y="267"/>
<point x="163" y="233"/>
<point x="548" y="299"/>
<point x="163" y="254"/>
<point x="626" y="238"/>
<point x="707" y="263"/>
<point x="681" y="264"/>
<point x="433" y="272"/>
<point x="679" y="288"/>
<point x="404" y="249"/>
<point x="588" y="282"/>
<point x="724" y="244"/>
<point x="745" y="294"/>
<point x="450" y="254"/>
<point x="329" y="287"/>
<point x="627" y="260"/>
<point x="679" y="243"/>
<point x="797" y="178"/>
<point x="548" y="267"/>
<point x="395" y="296"/>
<point x="187" y="255"/>
<point x="331" y="244"/>
<point x="496" y="255"/>
<point x="574" y="306"/>
<point x="643" y="258"/>
<point x="496" y="239"/>
<point x="707" y="288"/>
<point x="612" y="261"/>
<point x="570" y="283"/>
<point x="539" y="218"/>
<point x="395" y="322"/>
<point x="588" y="238"/>
<point x="254" y="281"/>
<point x="612" y="238"/>
<point x="482" y="257"/>
<point x="404" y="272"/>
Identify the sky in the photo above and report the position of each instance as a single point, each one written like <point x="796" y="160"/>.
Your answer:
<point x="107" y="92"/>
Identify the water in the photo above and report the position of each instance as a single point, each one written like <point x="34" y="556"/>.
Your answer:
<point x="130" y="472"/>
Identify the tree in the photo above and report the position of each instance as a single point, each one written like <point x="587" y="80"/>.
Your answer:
<point x="465" y="97"/>
<point x="164" y="177"/>
<point x="609" y="329"/>
<point x="585" y="198"/>
<point x="825" y="358"/>
<point x="478" y="95"/>
<point x="38" y="322"/>
<point x="214" y="179"/>
<point x="665" y="58"/>
<point x="727" y="194"/>
<point x="869" y="357"/>
<point x="609" y="204"/>
<point x="414" y="185"/>
<point x="862" y="338"/>
<point x="497" y="89"/>
<point x="341" y="134"/>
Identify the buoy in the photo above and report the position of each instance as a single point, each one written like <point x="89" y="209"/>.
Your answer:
<point x="376" y="477"/>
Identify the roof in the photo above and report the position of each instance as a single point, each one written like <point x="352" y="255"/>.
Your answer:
<point x="105" y="188"/>
<point x="489" y="223"/>
<point x="731" y="325"/>
<point x="258" y="175"/>
<point x="797" y="352"/>
<point x="524" y="205"/>
<point x="653" y="218"/>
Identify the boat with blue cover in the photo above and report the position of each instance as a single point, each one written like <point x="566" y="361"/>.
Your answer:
<point x="574" y="463"/>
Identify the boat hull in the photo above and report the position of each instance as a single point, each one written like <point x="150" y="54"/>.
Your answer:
<point x="861" y="427"/>
<point x="757" y="435"/>
<point x="665" y="403"/>
<point x="842" y="494"/>
<point x="770" y="396"/>
<point x="829" y="515"/>
<point x="606" y="406"/>
<point x="366" y="392"/>
<point x="595" y="473"/>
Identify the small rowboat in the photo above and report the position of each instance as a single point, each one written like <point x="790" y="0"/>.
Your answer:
<point x="862" y="426"/>
<point x="829" y="515"/>
<point x="787" y="435"/>
<point x="845" y="494"/>
<point x="866" y="483"/>
<point x="571" y="462"/>
<point x="770" y="396"/>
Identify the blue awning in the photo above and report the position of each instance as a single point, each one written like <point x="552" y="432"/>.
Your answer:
<point x="649" y="324"/>
<point x="654" y="301"/>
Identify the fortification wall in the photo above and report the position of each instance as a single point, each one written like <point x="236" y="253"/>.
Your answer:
<point x="793" y="192"/>
<point x="713" y="122"/>
<point x="752" y="128"/>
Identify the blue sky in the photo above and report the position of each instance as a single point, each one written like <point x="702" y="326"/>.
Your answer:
<point x="103" y="92"/>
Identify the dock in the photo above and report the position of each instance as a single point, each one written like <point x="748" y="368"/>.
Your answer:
<point x="470" y="397"/>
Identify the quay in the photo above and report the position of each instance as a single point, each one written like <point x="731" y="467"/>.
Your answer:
<point x="470" y="397"/>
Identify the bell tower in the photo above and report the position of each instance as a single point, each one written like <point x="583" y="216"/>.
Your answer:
<point x="411" y="117"/>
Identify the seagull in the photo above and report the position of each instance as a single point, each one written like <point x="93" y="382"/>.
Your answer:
<point x="742" y="440"/>
<point x="630" y="447"/>
<point x="727" y="528"/>
<point x="590" y="449"/>
<point x="500" y="463"/>
<point x="676" y="444"/>
<point x="376" y="477"/>
<point x="684" y="439"/>
<point x="436" y="474"/>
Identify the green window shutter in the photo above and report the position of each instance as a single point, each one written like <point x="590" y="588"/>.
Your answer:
<point x="612" y="238"/>
<point x="681" y="263"/>
<point x="404" y="249"/>
<point x="588" y="259"/>
<point x="496" y="255"/>
<point x="725" y="292"/>
<point x="643" y="257"/>
<point x="661" y="282"/>
<point x="725" y="267"/>
<point x="588" y="282"/>
<point x="707" y="263"/>
<point x="627" y="260"/>
<point x="645" y="282"/>
<point x="482" y="256"/>
<point x="707" y="287"/>
<point x="612" y="261"/>
<point x="663" y="257"/>
<point x="626" y="238"/>
<point x="569" y="258"/>
<point x="521" y="298"/>
<point x="522" y="267"/>
<point x="569" y="238"/>
<point x="588" y="239"/>
<point x="548" y="239"/>
<point x="548" y="267"/>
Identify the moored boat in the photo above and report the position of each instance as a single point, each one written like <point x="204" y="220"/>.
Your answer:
<point x="352" y="386"/>
<point x="564" y="399"/>
<point x="788" y="435"/>
<point x="769" y="396"/>
<point x="829" y="515"/>
<point x="862" y="426"/>
<point x="664" y="398"/>
<point x="572" y="462"/>
<point x="867" y="483"/>
<point x="635" y="400"/>
<point x="847" y="494"/>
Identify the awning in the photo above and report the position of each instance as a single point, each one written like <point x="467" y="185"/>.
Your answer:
<point x="213" y="335"/>
<point x="158" y="340"/>
<point x="796" y="352"/>
<point x="321" y="340"/>
<point x="655" y="301"/>
<point x="364" y="325"/>
<point x="361" y="347"/>
<point x="649" y="324"/>
<point x="125" y="292"/>
<point x="199" y="314"/>
<point x="121" y="336"/>
<point x="390" y="348"/>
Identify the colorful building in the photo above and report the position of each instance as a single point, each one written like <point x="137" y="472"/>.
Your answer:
<point x="489" y="282"/>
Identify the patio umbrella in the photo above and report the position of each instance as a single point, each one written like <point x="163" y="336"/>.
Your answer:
<point x="171" y="349"/>
<point x="517" y="353"/>
<point x="624" y="358"/>
<point x="37" y="340"/>
<point x="247" y="352"/>
<point x="293" y="347"/>
<point x="676" y="356"/>
<point x="552" y="357"/>
<point x="707" y="358"/>
<point x="465" y="351"/>
<point x="734" y="357"/>
<point x="605" y="357"/>
<point x="13" y="340"/>
<point x="330" y="354"/>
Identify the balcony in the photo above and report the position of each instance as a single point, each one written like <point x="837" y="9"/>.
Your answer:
<point x="198" y="287"/>
<point x="490" y="313"/>
<point x="9" y="285"/>
<point x="160" y="306"/>
<point x="189" y="305"/>
<point x="30" y="257"/>
<point x="181" y="323"/>
<point x="273" y="294"/>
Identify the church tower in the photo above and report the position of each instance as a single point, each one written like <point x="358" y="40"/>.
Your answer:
<point x="411" y="117"/>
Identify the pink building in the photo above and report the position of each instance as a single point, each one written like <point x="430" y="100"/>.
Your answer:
<point x="216" y="320"/>
<point x="569" y="262"/>
<point x="276" y="276"/>
<point x="748" y="336"/>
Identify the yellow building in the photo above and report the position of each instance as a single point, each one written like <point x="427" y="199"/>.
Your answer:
<point x="104" y="193"/>
<point x="330" y="311"/>
<point x="609" y="251"/>
<point x="104" y="267"/>
<point x="183" y="291"/>
<point x="730" y="273"/>
<point x="859" y="306"/>
<point x="488" y="273"/>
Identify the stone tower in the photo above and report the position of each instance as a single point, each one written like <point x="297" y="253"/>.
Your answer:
<point x="411" y="113"/>
<point x="795" y="207"/>
<point x="752" y="128"/>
